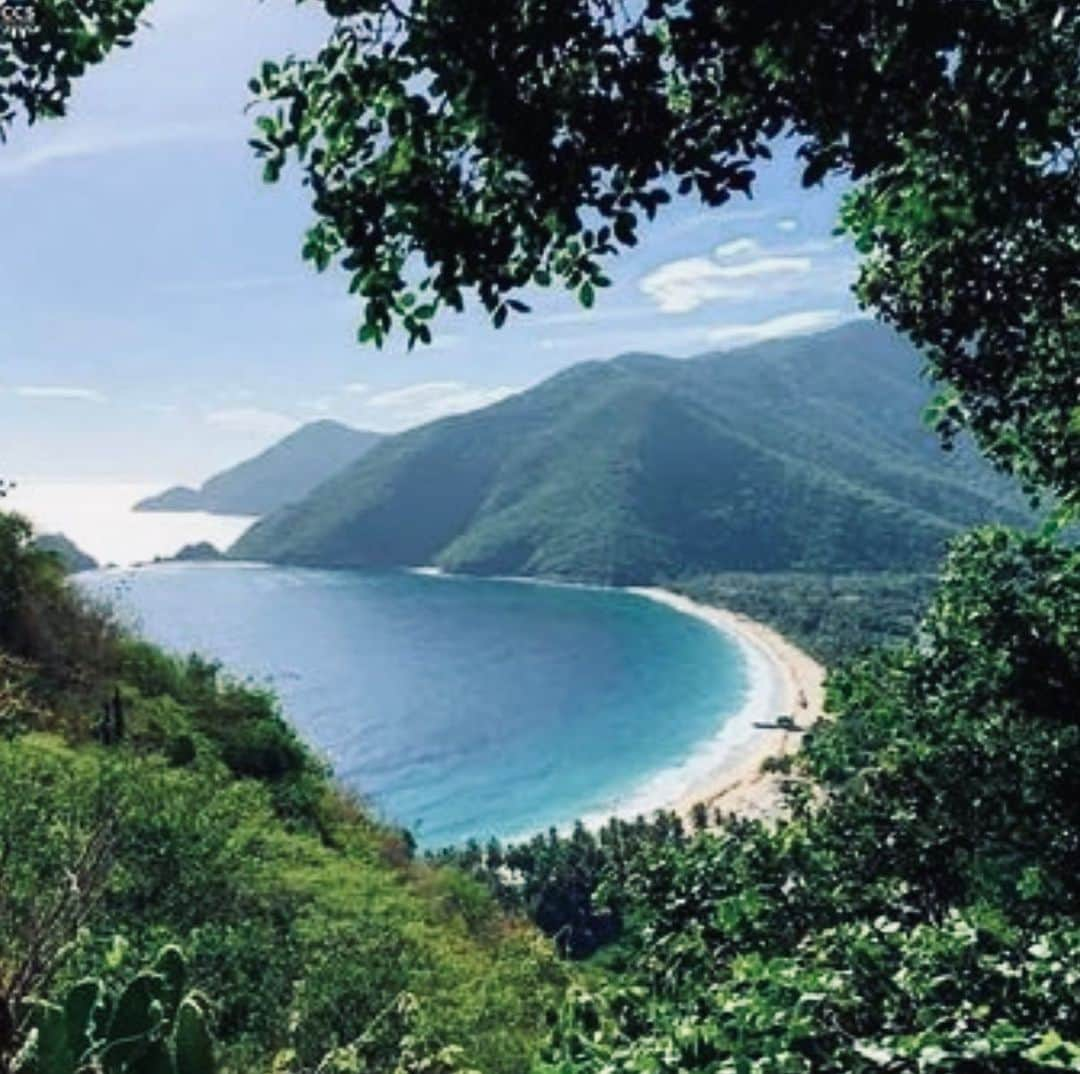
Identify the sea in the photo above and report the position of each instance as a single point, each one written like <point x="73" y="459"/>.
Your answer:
<point x="459" y="708"/>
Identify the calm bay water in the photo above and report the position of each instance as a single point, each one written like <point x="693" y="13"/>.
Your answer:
<point x="459" y="707"/>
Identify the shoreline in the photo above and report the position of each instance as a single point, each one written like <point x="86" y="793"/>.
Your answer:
<point x="722" y="769"/>
<point x="778" y="672"/>
<point x="735" y="783"/>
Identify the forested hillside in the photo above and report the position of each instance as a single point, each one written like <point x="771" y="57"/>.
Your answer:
<point x="71" y="558"/>
<point x="917" y="911"/>
<point x="284" y="473"/>
<point x="802" y="454"/>
<point x="832" y="616"/>
<point x="148" y="800"/>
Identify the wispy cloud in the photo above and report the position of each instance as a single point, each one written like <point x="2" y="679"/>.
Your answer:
<point x="357" y="387"/>
<point x="766" y="266"/>
<point x="67" y="146"/>
<point x="252" y="420"/>
<point x="679" y="338"/>
<point x="683" y="286"/>
<point x="787" y="223"/>
<point x="737" y="247"/>
<point x="716" y="218"/>
<point x="84" y="395"/>
<point x="788" y="324"/>
<point x="425" y="402"/>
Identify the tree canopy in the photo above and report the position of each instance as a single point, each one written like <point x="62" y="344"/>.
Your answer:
<point x="475" y="147"/>
<point x="916" y="912"/>
<point x="45" y="46"/>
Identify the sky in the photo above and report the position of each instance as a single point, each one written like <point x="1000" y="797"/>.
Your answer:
<point x="159" y="323"/>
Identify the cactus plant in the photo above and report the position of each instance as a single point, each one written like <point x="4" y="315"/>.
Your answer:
<point x="152" y="1027"/>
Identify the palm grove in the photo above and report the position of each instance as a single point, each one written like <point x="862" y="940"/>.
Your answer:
<point x="918" y="909"/>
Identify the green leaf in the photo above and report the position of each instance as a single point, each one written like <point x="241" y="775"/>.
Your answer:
<point x="194" y="1048"/>
<point x="79" y="1008"/>
<point x="155" y="1060"/>
<point x="173" y="970"/>
<point x="54" y="1055"/>
<point x="137" y="1011"/>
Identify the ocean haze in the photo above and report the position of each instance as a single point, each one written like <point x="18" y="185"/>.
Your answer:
<point x="99" y="517"/>
<point x="285" y="472"/>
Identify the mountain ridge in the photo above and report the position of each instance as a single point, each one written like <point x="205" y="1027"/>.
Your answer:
<point x="284" y="472"/>
<point x="796" y="454"/>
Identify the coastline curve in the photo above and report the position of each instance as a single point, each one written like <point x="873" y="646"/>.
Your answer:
<point x="782" y="676"/>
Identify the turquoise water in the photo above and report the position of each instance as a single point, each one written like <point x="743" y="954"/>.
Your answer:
<point x="458" y="707"/>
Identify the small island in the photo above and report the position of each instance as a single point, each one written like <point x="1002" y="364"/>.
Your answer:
<point x="199" y="552"/>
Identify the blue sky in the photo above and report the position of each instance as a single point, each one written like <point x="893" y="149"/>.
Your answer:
<point x="160" y="324"/>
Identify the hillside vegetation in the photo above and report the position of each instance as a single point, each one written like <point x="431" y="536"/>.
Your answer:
<point x="801" y="454"/>
<point x="917" y="912"/>
<point x="71" y="558"/>
<point x="832" y="616"/>
<point x="282" y="474"/>
<point x="148" y="800"/>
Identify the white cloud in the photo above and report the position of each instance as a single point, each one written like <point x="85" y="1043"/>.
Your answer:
<point x="707" y="218"/>
<point x="86" y="395"/>
<point x="252" y="420"/>
<point x="682" y="286"/>
<point x="788" y="324"/>
<point x="737" y="247"/>
<point x="66" y="146"/>
<point x="357" y="388"/>
<point x="787" y="223"/>
<point x="767" y="266"/>
<point x="425" y="402"/>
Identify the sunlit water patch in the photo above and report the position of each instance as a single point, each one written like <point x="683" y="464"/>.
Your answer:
<point x="98" y="517"/>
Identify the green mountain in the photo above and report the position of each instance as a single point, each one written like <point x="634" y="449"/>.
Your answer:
<point x="798" y="454"/>
<point x="69" y="555"/>
<point x="284" y="473"/>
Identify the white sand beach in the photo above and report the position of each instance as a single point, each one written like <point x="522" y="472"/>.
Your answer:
<point x="785" y="681"/>
<point x="725" y="772"/>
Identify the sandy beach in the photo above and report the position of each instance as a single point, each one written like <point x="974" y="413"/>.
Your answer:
<point x="783" y="676"/>
<point x="727" y="773"/>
